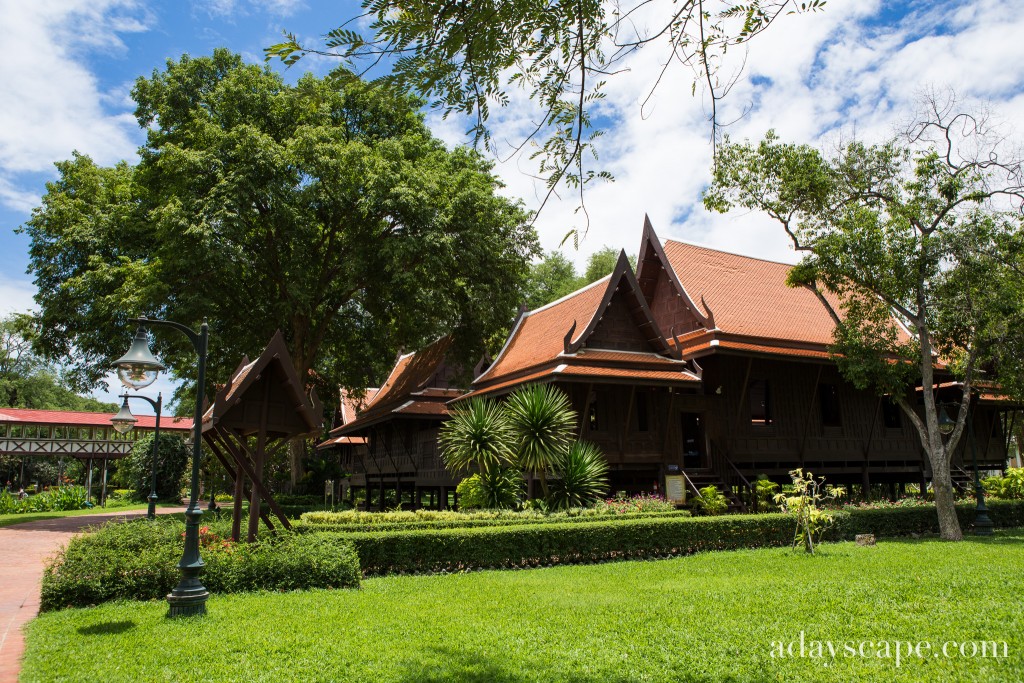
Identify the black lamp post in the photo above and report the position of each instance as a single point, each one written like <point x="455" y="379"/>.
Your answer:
<point x="139" y="368"/>
<point x="123" y="423"/>
<point x="982" y="522"/>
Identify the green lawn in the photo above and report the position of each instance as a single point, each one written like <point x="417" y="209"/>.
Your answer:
<point x="8" y="520"/>
<point x="710" y="617"/>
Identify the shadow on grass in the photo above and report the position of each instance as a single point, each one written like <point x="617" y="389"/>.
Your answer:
<point x="106" y="628"/>
<point x="477" y="667"/>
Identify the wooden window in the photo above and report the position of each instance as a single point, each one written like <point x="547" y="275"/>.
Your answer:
<point x="642" y="420"/>
<point x="760" y="403"/>
<point x="828" y="400"/>
<point x="892" y="415"/>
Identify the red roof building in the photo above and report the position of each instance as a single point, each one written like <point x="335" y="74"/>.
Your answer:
<point x="388" y="439"/>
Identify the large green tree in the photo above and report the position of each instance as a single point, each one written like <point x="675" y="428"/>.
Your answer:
<point x="467" y="57"/>
<point x="920" y="241"/>
<point x="324" y="208"/>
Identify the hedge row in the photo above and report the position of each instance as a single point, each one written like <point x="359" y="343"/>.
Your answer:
<point x="312" y="521"/>
<point x="138" y="561"/>
<point x="923" y="519"/>
<point x="564" y="543"/>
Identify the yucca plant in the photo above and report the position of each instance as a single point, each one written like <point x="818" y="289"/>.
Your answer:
<point x="476" y="434"/>
<point x="582" y="477"/>
<point x="543" y="421"/>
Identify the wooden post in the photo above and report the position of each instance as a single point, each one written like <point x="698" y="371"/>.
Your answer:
<point x="236" y="511"/>
<point x="88" y="482"/>
<point x="443" y="500"/>
<point x="624" y="428"/>
<point x="103" y="485"/>
<point x="807" y="421"/>
<point x="865" y="467"/>
<point x="258" y="457"/>
<point x="743" y="395"/>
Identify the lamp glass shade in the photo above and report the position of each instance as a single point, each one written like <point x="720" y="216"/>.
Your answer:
<point x="139" y="367"/>
<point x="124" y="421"/>
<point x="946" y="425"/>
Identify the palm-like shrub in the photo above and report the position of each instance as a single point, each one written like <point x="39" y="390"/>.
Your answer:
<point x="543" y="421"/>
<point x="582" y="477"/>
<point x="476" y="434"/>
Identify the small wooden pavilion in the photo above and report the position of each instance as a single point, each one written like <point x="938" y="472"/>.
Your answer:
<point x="263" y="403"/>
<point x="399" y="426"/>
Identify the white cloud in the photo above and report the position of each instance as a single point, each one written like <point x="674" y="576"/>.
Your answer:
<point x="226" y="9"/>
<point x="808" y="77"/>
<point x="16" y="296"/>
<point x="53" y="104"/>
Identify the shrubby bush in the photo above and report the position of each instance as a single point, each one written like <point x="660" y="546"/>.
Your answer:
<point x="711" y="501"/>
<point x="58" y="499"/>
<point x="1009" y="486"/>
<point x="137" y="560"/>
<point x="172" y="458"/>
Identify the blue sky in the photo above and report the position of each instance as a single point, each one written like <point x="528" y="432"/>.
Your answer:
<point x="857" y="67"/>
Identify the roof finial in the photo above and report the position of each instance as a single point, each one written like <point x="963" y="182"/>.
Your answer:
<point x="710" y="315"/>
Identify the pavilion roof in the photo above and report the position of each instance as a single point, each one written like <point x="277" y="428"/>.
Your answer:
<point x="293" y="414"/>
<point x="72" y="418"/>
<point x="414" y="388"/>
<point x="559" y="341"/>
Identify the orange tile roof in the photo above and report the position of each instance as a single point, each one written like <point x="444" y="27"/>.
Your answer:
<point x="539" y="335"/>
<point x="629" y="357"/>
<point x="749" y="296"/>
<point x="406" y="391"/>
<point x="343" y="441"/>
<point x="582" y="372"/>
<point x="350" y="405"/>
<point x="73" y="418"/>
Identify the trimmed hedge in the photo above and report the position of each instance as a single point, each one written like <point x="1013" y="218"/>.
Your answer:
<point x="531" y="545"/>
<point x="314" y="521"/>
<point x="922" y="519"/>
<point x="137" y="560"/>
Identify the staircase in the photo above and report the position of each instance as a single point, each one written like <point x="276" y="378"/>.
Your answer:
<point x="702" y="477"/>
<point x="963" y="481"/>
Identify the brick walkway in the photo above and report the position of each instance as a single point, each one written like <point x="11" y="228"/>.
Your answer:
<point x="24" y="549"/>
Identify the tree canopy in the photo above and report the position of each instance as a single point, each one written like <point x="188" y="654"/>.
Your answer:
<point x="465" y="58"/>
<point x="554" y="276"/>
<point x="325" y="209"/>
<point x="29" y="381"/>
<point x="916" y="248"/>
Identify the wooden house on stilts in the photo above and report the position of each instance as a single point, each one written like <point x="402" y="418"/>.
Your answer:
<point x="703" y="365"/>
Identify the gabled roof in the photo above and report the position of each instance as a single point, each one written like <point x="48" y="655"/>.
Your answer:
<point x="295" y="414"/>
<point x="414" y="388"/>
<point x="749" y="296"/>
<point x="74" y="418"/>
<point x="567" y="339"/>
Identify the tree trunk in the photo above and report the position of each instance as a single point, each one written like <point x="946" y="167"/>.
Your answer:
<point x="949" y="525"/>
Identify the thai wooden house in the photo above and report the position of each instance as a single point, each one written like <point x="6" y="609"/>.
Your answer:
<point x="708" y="365"/>
<point x="398" y="425"/>
<point x="603" y="347"/>
<point x="703" y="367"/>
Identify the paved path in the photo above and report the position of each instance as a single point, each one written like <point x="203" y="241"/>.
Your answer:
<point x="24" y="549"/>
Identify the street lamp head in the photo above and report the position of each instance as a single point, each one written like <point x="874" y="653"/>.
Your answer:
<point x="124" y="421"/>
<point x="139" y="367"/>
<point x="946" y="425"/>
